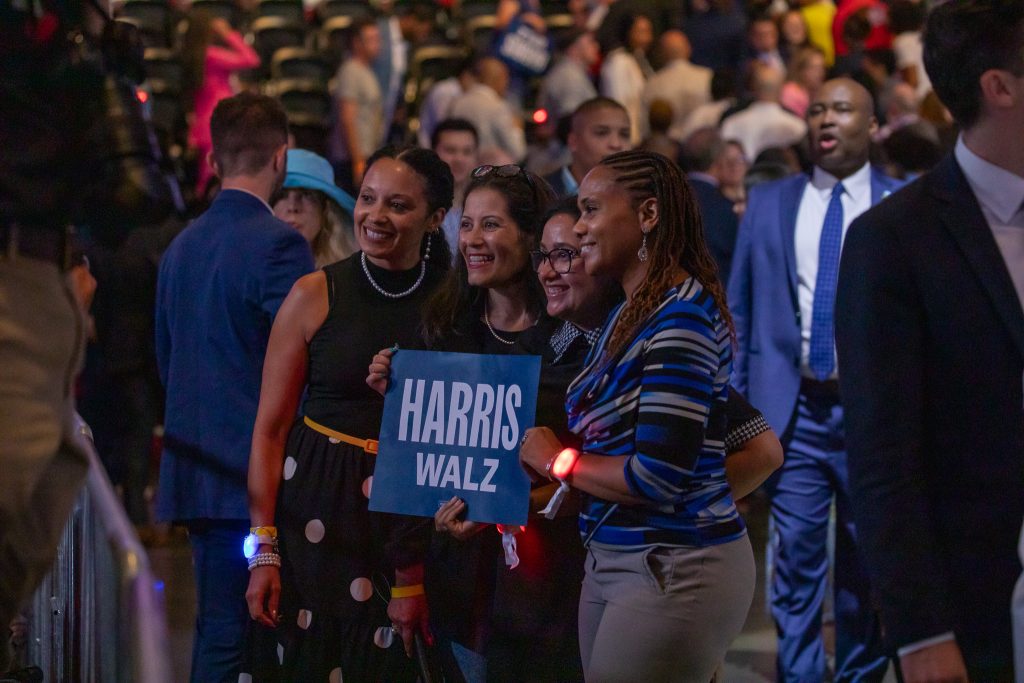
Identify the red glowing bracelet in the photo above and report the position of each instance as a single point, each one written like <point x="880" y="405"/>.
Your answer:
<point x="561" y="465"/>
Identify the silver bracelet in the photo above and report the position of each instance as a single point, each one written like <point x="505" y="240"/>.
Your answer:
<point x="264" y="560"/>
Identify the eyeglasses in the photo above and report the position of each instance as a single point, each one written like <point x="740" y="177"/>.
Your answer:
<point x="506" y="171"/>
<point x="560" y="259"/>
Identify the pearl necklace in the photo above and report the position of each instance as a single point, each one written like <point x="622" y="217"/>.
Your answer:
<point x="392" y="295"/>
<point x="493" y="333"/>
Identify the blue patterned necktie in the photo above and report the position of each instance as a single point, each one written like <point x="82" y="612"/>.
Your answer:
<point x="822" y="351"/>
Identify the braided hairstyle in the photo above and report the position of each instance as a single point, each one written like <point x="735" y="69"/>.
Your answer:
<point x="677" y="240"/>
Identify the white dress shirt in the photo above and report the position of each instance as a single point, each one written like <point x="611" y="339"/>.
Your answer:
<point x="810" y="219"/>
<point x="262" y="200"/>
<point x="910" y="52"/>
<point x="566" y="86"/>
<point x="399" y="65"/>
<point x="623" y="80"/>
<point x="1001" y="195"/>
<point x="763" y="125"/>
<point x="705" y="116"/>
<point x="435" y="107"/>
<point x="496" y="124"/>
<point x="684" y="86"/>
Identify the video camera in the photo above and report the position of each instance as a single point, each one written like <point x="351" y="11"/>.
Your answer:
<point x="77" y="148"/>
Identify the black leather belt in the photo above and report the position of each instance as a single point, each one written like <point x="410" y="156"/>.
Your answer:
<point x="43" y="244"/>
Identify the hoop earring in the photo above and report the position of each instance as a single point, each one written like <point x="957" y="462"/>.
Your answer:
<point x="642" y="253"/>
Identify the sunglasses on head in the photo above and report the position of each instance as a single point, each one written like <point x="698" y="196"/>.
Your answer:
<point x="506" y="171"/>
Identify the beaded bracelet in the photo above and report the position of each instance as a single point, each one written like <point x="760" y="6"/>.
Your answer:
<point x="264" y="560"/>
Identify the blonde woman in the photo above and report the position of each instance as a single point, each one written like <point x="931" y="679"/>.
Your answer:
<point x="311" y="203"/>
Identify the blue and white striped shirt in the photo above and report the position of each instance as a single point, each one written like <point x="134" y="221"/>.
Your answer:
<point x="661" y="402"/>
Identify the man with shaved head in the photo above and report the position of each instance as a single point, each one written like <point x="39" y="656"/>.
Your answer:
<point x="599" y="127"/>
<point x="681" y="83"/>
<point x="782" y="293"/>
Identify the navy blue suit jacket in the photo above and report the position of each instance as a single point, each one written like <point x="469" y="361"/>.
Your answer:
<point x="720" y="224"/>
<point x="220" y="284"/>
<point x="763" y="296"/>
<point x="556" y="179"/>
<point x="930" y="335"/>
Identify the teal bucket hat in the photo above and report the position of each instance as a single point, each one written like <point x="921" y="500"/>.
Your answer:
<point x="313" y="172"/>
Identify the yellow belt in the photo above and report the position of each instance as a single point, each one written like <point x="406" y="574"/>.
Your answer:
<point x="368" y="445"/>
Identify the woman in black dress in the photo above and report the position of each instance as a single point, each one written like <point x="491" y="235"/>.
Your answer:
<point x="346" y="574"/>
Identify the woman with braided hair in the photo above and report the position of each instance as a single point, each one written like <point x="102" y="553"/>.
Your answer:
<point x="669" y="569"/>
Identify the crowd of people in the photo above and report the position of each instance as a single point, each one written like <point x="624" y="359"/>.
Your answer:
<point x="518" y="74"/>
<point x="761" y="245"/>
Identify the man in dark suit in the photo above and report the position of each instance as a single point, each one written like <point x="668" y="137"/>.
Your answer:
<point x="781" y="292"/>
<point x="931" y="342"/>
<point x="409" y="26"/>
<point x="600" y="126"/>
<point x="702" y="152"/>
<point x="220" y="284"/>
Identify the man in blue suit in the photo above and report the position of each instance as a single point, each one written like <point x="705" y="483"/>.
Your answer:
<point x="782" y="293"/>
<point x="220" y="284"/>
<point x="399" y="33"/>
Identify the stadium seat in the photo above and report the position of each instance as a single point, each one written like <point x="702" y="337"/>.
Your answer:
<point x="270" y="34"/>
<point x="475" y="8"/>
<point x="479" y="32"/>
<point x="224" y="9"/>
<point x="301" y="96"/>
<point x="345" y="8"/>
<point x="300" y="62"/>
<point x="163" y="64"/>
<point x="292" y="10"/>
<point x="152" y="17"/>
<point x="333" y="39"/>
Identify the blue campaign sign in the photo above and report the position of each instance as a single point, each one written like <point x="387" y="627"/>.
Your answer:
<point x="452" y="426"/>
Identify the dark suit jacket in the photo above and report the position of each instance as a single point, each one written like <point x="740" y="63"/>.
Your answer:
<point x="220" y="284"/>
<point x="763" y="296"/>
<point x="720" y="224"/>
<point x="931" y="345"/>
<point x="556" y="180"/>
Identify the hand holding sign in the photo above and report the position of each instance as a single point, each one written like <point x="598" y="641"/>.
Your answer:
<point x="449" y="520"/>
<point x="452" y="425"/>
<point x="380" y="370"/>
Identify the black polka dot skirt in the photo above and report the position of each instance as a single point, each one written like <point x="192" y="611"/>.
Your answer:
<point x="334" y="577"/>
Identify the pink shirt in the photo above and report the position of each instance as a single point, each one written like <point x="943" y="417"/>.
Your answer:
<point x="795" y="98"/>
<point x="221" y="62"/>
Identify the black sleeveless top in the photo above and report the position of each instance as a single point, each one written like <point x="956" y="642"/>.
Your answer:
<point x="361" y="321"/>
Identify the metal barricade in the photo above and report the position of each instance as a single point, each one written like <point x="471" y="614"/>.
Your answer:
<point x="99" y="616"/>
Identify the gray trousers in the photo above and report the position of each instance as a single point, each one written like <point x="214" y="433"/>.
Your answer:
<point x="663" y="614"/>
<point x="40" y="469"/>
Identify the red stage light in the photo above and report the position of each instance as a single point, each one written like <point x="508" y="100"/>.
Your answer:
<point x="540" y="116"/>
